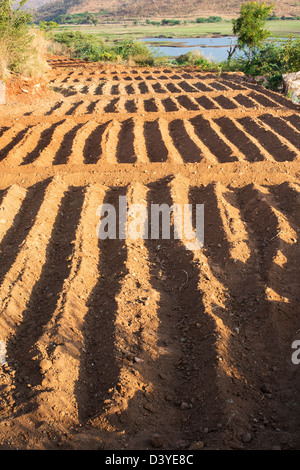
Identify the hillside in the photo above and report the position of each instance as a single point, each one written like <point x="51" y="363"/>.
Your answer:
<point x="147" y="8"/>
<point x="36" y="3"/>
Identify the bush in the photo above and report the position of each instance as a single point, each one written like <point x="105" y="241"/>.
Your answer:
<point x="92" y="48"/>
<point x="273" y="60"/>
<point x="143" y="60"/>
<point x="85" y="46"/>
<point x="170" y="22"/>
<point x="130" y="48"/>
<point x="153" y="23"/>
<point x="20" y="49"/>
<point x="196" y="59"/>
<point x="289" y="18"/>
<point x="210" y="19"/>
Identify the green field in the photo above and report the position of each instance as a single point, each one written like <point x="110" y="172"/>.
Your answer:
<point x="281" y="28"/>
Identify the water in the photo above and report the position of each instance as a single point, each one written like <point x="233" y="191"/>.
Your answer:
<point x="214" y="48"/>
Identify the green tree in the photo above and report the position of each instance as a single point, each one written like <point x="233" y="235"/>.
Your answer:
<point x="15" y="39"/>
<point x="13" y="21"/>
<point x="48" y="26"/>
<point x="249" y="27"/>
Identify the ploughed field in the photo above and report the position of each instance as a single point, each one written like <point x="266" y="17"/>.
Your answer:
<point x="143" y="343"/>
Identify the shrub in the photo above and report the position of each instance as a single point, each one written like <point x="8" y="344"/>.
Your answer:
<point x="170" y="22"/>
<point x="130" y="48"/>
<point x="272" y="60"/>
<point x="143" y="59"/>
<point x="21" y="50"/>
<point x="85" y="46"/>
<point x="195" y="58"/>
<point x="92" y="48"/>
<point x="276" y="58"/>
<point x="210" y="19"/>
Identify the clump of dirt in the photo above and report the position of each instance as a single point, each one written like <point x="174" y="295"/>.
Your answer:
<point x="24" y="90"/>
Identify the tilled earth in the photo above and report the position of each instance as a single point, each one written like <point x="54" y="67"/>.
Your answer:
<point x="142" y="344"/>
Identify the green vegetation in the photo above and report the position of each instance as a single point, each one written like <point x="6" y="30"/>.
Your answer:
<point x="93" y="48"/>
<point x="20" y="50"/>
<point x="266" y="59"/>
<point x="48" y="26"/>
<point x="163" y="22"/>
<point x="79" y="18"/>
<point x="273" y="17"/>
<point x="270" y="62"/>
<point x="210" y="19"/>
<point x="154" y="23"/>
<point x="195" y="59"/>
<point x="249" y="27"/>
<point x="170" y="22"/>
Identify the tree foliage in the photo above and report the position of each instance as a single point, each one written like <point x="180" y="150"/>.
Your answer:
<point x="249" y="26"/>
<point x="15" y="39"/>
<point x="13" y="21"/>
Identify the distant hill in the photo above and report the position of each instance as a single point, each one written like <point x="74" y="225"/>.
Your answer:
<point x="48" y="9"/>
<point x="33" y="4"/>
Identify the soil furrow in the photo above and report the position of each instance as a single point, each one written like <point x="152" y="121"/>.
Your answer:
<point x="275" y="97"/>
<point x="187" y="148"/>
<point x="169" y="105"/>
<point x="38" y="312"/>
<point x="243" y="272"/>
<point x="99" y="368"/>
<point x="125" y="147"/>
<point x="11" y="201"/>
<point x="62" y="345"/>
<point x="268" y="140"/>
<point x="156" y="150"/>
<point x="239" y="139"/>
<point x="43" y="142"/>
<point x="294" y="119"/>
<point x="185" y="331"/>
<point x="224" y="102"/>
<point x="281" y="128"/>
<point x="24" y="273"/>
<point x="22" y="223"/>
<point x="65" y="150"/>
<point x="15" y="140"/>
<point x="215" y="144"/>
<point x="93" y="147"/>
<point x="187" y="103"/>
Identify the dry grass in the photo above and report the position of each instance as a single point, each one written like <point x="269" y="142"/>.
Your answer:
<point x="27" y="61"/>
<point x="4" y="60"/>
<point x="169" y="8"/>
<point x="57" y="48"/>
